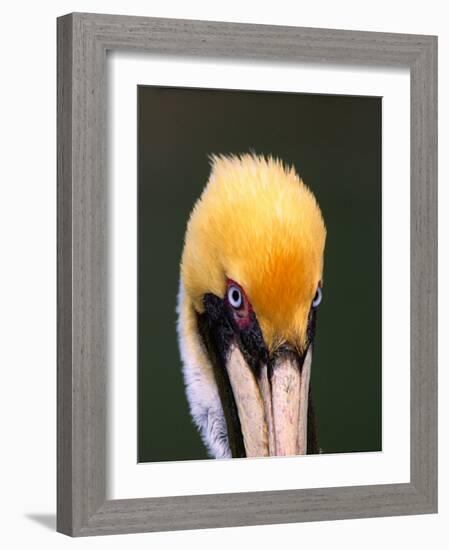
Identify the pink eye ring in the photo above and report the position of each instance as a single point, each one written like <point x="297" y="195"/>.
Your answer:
<point x="238" y="305"/>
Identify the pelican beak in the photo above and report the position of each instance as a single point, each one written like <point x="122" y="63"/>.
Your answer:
<point x="265" y="397"/>
<point x="272" y="404"/>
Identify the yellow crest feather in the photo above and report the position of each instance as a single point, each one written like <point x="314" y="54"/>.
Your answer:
<point x="257" y="223"/>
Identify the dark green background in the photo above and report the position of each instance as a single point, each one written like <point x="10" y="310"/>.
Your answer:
<point x="335" y="144"/>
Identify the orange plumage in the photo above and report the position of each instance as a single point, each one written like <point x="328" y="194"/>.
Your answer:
<point x="257" y="223"/>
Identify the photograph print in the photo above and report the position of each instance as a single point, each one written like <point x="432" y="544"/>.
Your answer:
<point x="259" y="274"/>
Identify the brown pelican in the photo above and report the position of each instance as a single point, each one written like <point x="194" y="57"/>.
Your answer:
<point x="250" y="285"/>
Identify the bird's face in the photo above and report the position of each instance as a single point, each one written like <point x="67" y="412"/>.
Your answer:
<point x="251" y="283"/>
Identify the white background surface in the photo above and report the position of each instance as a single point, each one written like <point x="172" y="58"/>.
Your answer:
<point x="131" y="480"/>
<point x="28" y="298"/>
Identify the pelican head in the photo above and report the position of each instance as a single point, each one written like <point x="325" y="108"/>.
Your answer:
<point x="250" y="286"/>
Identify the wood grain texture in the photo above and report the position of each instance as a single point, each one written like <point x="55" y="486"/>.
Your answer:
<point x="83" y="40"/>
<point x="64" y="278"/>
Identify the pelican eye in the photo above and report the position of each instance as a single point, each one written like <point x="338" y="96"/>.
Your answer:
<point x="318" y="297"/>
<point x="235" y="297"/>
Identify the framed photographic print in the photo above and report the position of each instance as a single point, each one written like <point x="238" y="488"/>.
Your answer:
<point x="246" y="274"/>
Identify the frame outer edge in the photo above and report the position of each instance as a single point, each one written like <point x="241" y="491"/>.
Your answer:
<point x="89" y="273"/>
<point x="82" y="282"/>
<point x="64" y="275"/>
<point x="262" y="508"/>
<point x="253" y="41"/>
<point x="424" y="274"/>
<point x="82" y="268"/>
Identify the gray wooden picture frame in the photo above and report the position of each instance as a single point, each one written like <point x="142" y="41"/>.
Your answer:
<point x="83" y="40"/>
